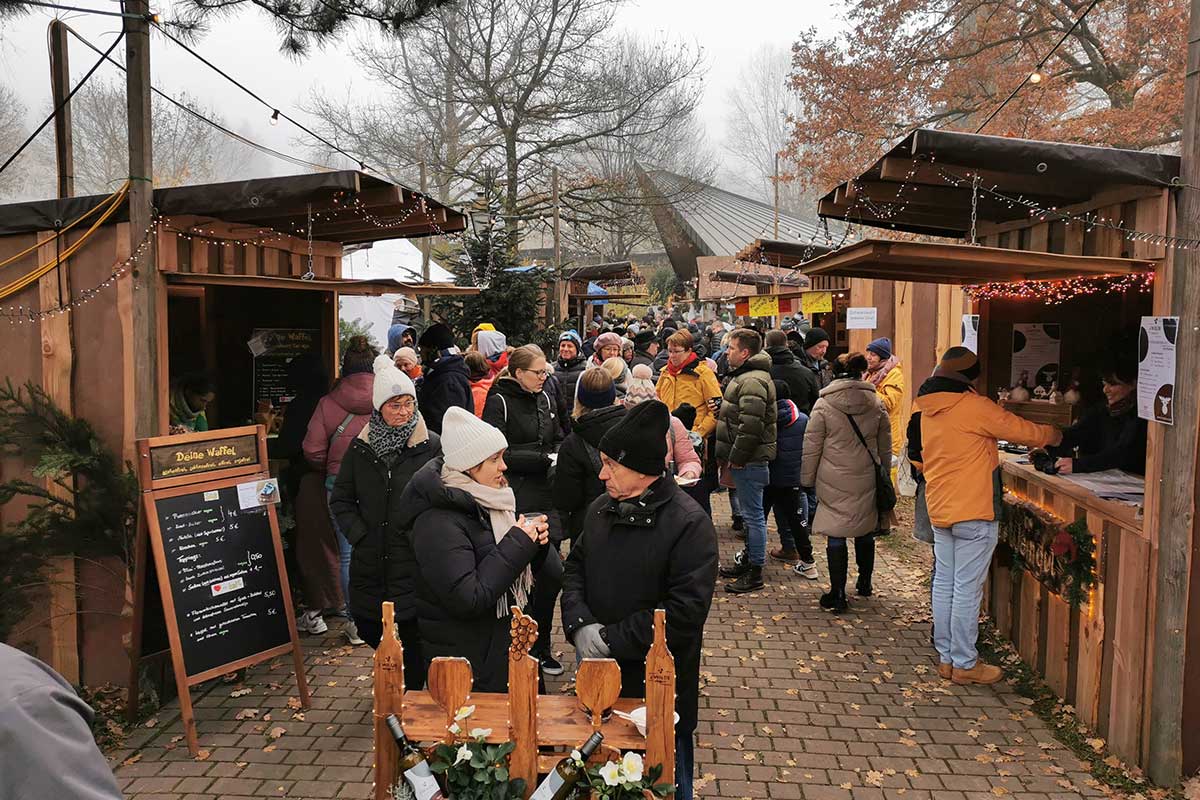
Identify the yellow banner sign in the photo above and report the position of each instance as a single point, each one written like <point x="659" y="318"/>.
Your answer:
<point x="764" y="305"/>
<point x="816" y="302"/>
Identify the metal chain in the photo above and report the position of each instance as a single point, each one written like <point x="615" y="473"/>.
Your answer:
<point x="308" y="276"/>
<point x="974" y="208"/>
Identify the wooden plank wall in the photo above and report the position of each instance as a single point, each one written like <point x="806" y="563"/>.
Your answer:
<point x="202" y="245"/>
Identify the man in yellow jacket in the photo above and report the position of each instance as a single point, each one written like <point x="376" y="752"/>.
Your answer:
<point x="959" y="433"/>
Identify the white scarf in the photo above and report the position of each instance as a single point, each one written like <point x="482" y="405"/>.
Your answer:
<point x="501" y="505"/>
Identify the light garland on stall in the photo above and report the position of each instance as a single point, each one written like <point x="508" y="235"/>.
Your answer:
<point x="1055" y="292"/>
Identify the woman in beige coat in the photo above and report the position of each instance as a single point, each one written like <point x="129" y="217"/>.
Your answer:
<point x="843" y="472"/>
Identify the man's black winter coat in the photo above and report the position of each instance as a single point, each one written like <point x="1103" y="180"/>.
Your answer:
<point x="446" y="382"/>
<point x="635" y="556"/>
<point x="577" y="475"/>
<point x="801" y="381"/>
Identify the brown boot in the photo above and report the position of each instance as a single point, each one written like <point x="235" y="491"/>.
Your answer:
<point x="779" y="554"/>
<point x="980" y="673"/>
<point x="945" y="671"/>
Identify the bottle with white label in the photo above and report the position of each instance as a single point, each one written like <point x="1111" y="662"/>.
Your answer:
<point x="561" y="781"/>
<point x="413" y="765"/>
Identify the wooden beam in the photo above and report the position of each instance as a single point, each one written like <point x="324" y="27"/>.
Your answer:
<point x="1114" y="196"/>
<point x="896" y="169"/>
<point x="60" y="79"/>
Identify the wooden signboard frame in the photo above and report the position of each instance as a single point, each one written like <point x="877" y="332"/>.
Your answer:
<point x="208" y="469"/>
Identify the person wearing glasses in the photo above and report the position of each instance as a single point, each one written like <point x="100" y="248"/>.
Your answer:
<point x="365" y="501"/>
<point x="688" y="379"/>
<point x="526" y="411"/>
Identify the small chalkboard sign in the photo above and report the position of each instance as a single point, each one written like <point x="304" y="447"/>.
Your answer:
<point x="218" y="559"/>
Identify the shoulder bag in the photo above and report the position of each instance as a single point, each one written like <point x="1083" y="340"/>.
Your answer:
<point x="885" y="492"/>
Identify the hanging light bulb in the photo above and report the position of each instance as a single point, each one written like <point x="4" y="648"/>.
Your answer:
<point x="1035" y="77"/>
<point x="275" y="117"/>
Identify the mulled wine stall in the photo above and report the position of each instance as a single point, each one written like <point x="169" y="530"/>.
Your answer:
<point x="1064" y="270"/>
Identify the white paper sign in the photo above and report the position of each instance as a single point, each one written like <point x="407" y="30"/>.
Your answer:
<point x="255" y="494"/>
<point x="257" y="345"/>
<point x="970" y="332"/>
<point x="861" y="319"/>
<point x="1035" y="353"/>
<point x="1156" y="369"/>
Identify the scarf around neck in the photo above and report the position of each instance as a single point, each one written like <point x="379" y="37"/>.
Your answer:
<point x="674" y="370"/>
<point x="876" y="377"/>
<point x="1123" y="405"/>
<point x="388" y="441"/>
<point x="501" y="505"/>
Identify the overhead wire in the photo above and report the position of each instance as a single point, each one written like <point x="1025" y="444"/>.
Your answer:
<point x="79" y="9"/>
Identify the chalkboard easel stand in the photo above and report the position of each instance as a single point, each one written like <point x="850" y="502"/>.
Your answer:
<point x="241" y="555"/>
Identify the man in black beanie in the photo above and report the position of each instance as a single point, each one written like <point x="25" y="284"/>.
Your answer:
<point x="447" y="381"/>
<point x="645" y="545"/>
<point x="816" y="344"/>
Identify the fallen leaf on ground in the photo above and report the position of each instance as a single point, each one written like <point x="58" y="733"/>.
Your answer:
<point x="247" y="713"/>
<point x="276" y="732"/>
<point x="133" y="759"/>
<point x="239" y="692"/>
<point x="203" y="755"/>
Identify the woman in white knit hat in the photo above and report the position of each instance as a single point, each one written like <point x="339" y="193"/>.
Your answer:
<point x="379" y="463"/>
<point x="475" y="557"/>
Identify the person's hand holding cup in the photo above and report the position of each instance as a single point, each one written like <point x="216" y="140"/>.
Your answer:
<point x="536" y="526"/>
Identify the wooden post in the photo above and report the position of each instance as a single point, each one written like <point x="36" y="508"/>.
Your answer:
<point x="389" y="699"/>
<point x="522" y="701"/>
<point x="775" y="181"/>
<point x="1179" y="456"/>
<point x="146" y="280"/>
<point x="60" y="77"/>
<point x="426" y="301"/>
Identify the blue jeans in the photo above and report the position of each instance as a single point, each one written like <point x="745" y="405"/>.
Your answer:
<point x="751" y="480"/>
<point x="685" y="764"/>
<point x="962" y="555"/>
<point x="344" y="549"/>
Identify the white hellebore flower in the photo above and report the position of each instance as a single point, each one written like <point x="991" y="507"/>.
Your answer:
<point x="464" y="712"/>
<point x="454" y="728"/>
<point x="577" y="756"/>
<point x="480" y="733"/>
<point x="464" y="754"/>
<point x="631" y="765"/>
<point x="611" y="772"/>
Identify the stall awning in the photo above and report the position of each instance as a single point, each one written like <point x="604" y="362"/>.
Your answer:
<point x="779" y="254"/>
<point x="927" y="262"/>
<point x="797" y="281"/>
<point x="613" y="271"/>
<point x="345" y="286"/>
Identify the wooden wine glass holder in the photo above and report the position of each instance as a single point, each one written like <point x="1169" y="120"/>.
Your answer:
<point x="542" y="728"/>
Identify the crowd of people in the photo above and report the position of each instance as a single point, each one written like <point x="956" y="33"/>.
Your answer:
<point x="462" y="484"/>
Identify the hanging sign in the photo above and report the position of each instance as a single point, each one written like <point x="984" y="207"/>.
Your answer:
<point x="861" y="319"/>
<point x="816" y="302"/>
<point x="764" y="305"/>
<point x="970" y="332"/>
<point x="1156" y="369"/>
<point x="274" y="349"/>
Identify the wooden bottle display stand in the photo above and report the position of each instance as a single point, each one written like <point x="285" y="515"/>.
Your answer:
<point x="542" y="728"/>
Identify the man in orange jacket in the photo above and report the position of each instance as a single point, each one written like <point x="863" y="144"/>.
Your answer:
<point x="959" y="433"/>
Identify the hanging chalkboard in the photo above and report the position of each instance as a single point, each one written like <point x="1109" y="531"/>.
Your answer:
<point x="274" y="349"/>
<point x="224" y="578"/>
<point x="218" y="565"/>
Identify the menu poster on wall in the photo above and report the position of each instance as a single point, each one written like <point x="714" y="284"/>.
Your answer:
<point x="970" y="332"/>
<point x="861" y="319"/>
<point x="1156" y="369"/>
<point x="1035" y="354"/>
<point x="274" y="349"/>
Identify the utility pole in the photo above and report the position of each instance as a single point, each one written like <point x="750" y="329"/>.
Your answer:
<point x="776" y="182"/>
<point x="426" y="244"/>
<point x="1177" y="500"/>
<point x="146" y="280"/>
<point x="60" y="78"/>
<point x="552" y="307"/>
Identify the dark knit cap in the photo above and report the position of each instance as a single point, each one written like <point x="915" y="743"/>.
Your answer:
<point x="814" y="337"/>
<point x="438" y="336"/>
<point x="960" y="364"/>
<point x="881" y="347"/>
<point x="666" y="333"/>
<point x="685" y="413"/>
<point x="643" y="339"/>
<point x="639" y="440"/>
<point x="359" y="356"/>
<point x="601" y="399"/>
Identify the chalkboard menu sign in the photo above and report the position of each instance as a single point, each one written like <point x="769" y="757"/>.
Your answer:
<point x="209" y="522"/>
<point x="274" y="349"/>
<point x="224" y="578"/>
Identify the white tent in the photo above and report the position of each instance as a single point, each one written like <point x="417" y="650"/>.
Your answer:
<point x="398" y="259"/>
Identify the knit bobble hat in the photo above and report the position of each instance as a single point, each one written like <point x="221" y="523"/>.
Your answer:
<point x="468" y="441"/>
<point x="640" y="387"/>
<point x="639" y="440"/>
<point x="960" y="364"/>
<point x="814" y="337"/>
<point x="389" y="382"/>
<point x="571" y="336"/>
<point x="881" y="347"/>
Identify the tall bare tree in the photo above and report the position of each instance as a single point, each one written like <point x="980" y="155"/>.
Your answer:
<point x="758" y="127"/>
<point x="13" y="181"/>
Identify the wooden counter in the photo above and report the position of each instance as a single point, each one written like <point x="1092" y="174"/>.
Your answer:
<point x="1094" y="656"/>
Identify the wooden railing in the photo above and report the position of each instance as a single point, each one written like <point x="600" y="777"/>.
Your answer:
<point x="542" y="728"/>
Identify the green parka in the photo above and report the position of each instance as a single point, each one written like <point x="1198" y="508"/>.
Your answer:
<point x="746" y="425"/>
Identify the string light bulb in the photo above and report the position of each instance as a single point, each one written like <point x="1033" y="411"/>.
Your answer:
<point x="275" y="117"/>
<point x="1035" y="77"/>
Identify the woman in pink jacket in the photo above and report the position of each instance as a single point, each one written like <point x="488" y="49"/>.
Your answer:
<point x="340" y="416"/>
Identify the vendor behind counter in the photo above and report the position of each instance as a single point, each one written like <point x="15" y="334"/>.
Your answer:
<point x="1110" y="435"/>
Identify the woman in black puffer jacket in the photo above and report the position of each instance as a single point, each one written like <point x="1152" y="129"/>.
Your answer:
<point x="577" y="475"/>
<point x="365" y="499"/>
<point x="522" y="407"/>
<point x="475" y="556"/>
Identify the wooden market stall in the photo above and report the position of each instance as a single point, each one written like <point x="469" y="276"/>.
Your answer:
<point x="248" y="276"/>
<point x="1070" y="244"/>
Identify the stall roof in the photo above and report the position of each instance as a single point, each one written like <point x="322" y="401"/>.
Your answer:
<point x="929" y="262"/>
<point x="923" y="184"/>
<point x="780" y="253"/>
<point x="384" y="211"/>
<point x="348" y="286"/>
<point x="791" y="281"/>
<point x="615" y="270"/>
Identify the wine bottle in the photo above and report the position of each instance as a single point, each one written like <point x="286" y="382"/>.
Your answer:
<point x="561" y="781"/>
<point x="413" y="765"/>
